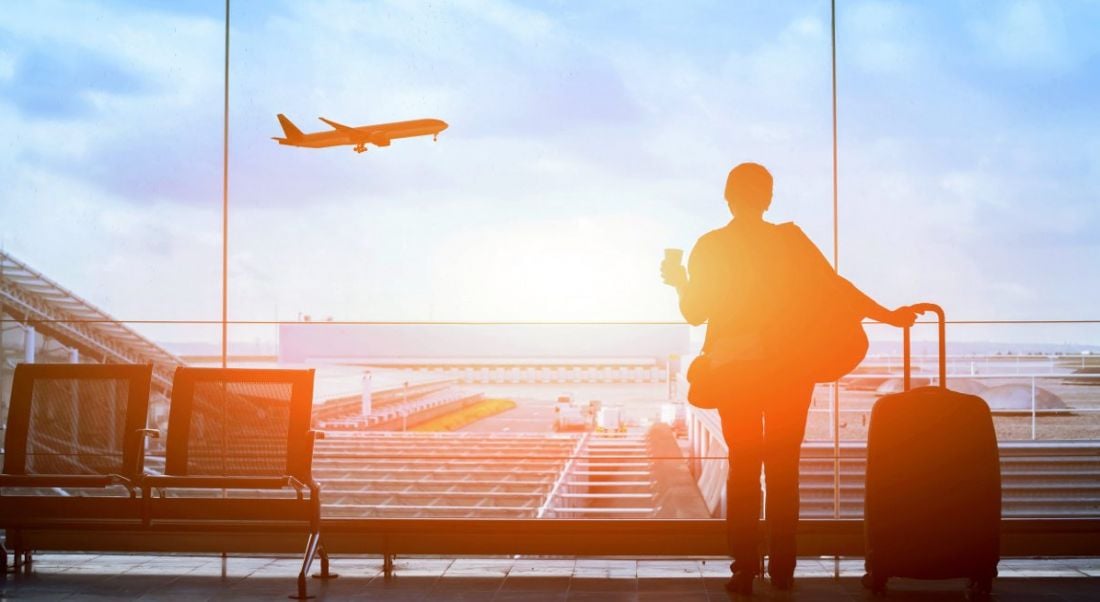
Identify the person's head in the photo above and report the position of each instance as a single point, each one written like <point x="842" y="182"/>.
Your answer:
<point x="749" y="190"/>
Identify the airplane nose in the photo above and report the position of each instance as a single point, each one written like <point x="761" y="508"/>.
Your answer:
<point x="442" y="125"/>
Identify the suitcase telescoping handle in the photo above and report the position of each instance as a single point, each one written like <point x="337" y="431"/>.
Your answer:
<point x="920" y="308"/>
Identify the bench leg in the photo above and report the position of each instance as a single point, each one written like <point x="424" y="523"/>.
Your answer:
<point x="325" y="573"/>
<point x="3" y="560"/>
<point x="16" y="551"/>
<point x="307" y="561"/>
<point x="387" y="566"/>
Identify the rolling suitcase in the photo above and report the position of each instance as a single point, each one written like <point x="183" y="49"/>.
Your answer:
<point x="933" y="486"/>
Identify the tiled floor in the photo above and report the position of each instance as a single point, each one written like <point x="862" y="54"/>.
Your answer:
<point x="102" y="577"/>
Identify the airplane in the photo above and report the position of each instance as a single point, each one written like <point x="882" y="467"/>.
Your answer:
<point x="379" y="135"/>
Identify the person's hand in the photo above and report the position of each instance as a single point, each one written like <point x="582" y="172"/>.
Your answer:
<point x="902" y="317"/>
<point x="674" y="274"/>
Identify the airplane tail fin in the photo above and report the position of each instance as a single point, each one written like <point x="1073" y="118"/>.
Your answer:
<point x="289" y="129"/>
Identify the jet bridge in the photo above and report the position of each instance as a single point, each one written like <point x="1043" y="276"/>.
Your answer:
<point x="42" y="321"/>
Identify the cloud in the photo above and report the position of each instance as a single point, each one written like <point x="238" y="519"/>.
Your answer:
<point x="1027" y="35"/>
<point x="883" y="37"/>
<point x="160" y="262"/>
<point x="114" y="96"/>
<point x="63" y="83"/>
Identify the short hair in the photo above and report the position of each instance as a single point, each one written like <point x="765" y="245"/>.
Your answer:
<point x="752" y="182"/>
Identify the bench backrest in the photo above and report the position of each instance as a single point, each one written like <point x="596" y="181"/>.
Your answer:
<point x="77" y="419"/>
<point x="240" y="422"/>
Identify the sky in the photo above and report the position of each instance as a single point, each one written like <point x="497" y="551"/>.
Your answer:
<point x="584" y="139"/>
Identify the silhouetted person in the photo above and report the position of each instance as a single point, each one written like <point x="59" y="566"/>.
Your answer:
<point x="749" y="281"/>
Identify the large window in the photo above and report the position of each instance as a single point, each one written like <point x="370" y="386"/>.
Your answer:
<point x="484" y="312"/>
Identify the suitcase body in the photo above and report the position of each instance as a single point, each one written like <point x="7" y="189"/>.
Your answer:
<point x="933" y="486"/>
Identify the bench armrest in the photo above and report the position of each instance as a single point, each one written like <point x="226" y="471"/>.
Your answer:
<point x="220" y="482"/>
<point x="51" y="480"/>
<point x="313" y="487"/>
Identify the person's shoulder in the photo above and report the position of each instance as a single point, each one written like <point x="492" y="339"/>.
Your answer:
<point x="791" y="229"/>
<point x="711" y="243"/>
<point x="714" y="236"/>
<point x="795" y="240"/>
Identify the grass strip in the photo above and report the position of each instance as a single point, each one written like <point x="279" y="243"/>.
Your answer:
<point x="465" y="416"/>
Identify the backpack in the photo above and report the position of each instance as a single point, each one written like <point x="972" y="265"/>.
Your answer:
<point x="809" y="326"/>
<point x="821" y="336"/>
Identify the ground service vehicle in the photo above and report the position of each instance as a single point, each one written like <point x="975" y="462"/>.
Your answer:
<point x="609" y="419"/>
<point x="568" y="416"/>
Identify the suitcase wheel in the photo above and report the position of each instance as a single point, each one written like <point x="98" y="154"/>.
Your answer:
<point x="979" y="588"/>
<point x="875" y="583"/>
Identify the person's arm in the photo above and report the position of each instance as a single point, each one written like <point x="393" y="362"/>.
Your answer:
<point x="694" y="301"/>
<point x="695" y="284"/>
<point x="866" y="306"/>
<point x="860" y="301"/>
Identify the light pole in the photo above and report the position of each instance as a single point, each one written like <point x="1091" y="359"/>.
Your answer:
<point x="405" y="407"/>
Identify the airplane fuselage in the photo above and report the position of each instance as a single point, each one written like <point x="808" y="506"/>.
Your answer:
<point x="379" y="135"/>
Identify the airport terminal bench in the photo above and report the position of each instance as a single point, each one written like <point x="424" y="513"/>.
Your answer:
<point x="78" y="428"/>
<point x="237" y="473"/>
<point x="238" y="460"/>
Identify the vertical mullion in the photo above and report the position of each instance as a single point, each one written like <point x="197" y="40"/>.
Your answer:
<point x="225" y="199"/>
<point x="836" y="267"/>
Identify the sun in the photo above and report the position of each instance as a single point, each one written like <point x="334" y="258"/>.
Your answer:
<point x="563" y="270"/>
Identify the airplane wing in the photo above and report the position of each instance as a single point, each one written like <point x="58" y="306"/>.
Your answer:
<point x="358" y="135"/>
<point x="338" y="126"/>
